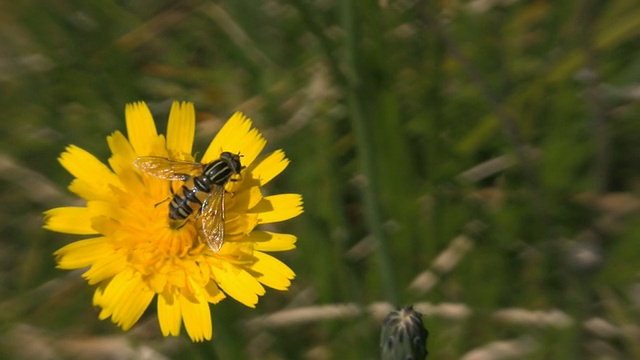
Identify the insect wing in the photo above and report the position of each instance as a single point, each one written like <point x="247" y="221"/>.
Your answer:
<point x="212" y="218"/>
<point x="168" y="169"/>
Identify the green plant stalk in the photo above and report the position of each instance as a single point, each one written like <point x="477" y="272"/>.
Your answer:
<point x="365" y="152"/>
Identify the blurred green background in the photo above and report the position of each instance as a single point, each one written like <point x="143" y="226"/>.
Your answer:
<point x="479" y="159"/>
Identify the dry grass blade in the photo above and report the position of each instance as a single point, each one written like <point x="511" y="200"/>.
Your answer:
<point x="498" y="350"/>
<point x="28" y="180"/>
<point x="444" y="263"/>
<point x="551" y="318"/>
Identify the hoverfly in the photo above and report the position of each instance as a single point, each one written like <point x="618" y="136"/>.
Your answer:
<point x="203" y="190"/>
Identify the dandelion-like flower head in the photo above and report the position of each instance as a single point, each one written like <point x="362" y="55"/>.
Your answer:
<point x="133" y="252"/>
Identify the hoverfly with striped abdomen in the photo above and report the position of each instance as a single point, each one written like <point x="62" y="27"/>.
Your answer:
<point x="203" y="190"/>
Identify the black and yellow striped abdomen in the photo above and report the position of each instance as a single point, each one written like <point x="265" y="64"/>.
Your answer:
<point x="192" y="194"/>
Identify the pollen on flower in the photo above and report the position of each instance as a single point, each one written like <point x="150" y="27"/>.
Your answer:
<point x="134" y="252"/>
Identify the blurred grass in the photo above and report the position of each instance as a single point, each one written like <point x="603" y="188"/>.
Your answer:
<point x="382" y="108"/>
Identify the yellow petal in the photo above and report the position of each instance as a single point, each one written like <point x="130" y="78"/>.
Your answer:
<point x="157" y="281"/>
<point x="94" y="176"/>
<point x="242" y="200"/>
<point x="133" y="304"/>
<point x="125" y="297"/>
<point x="169" y="315"/>
<point x="205" y="270"/>
<point x="84" y="166"/>
<point x="105" y="225"/>
<point x="192" y="268"/>
<point x="268" y="167"/>
<point x="277" y="208"/>
<point x="109" y="209"/>
<point x="237" y="225"/>
<point x="105" y="268"/>
<point x="70" y="220"/>
<point x="268" y="241"/>
<point x="197" y="318"/>
<point x="140" y="128"/>
<point x="180" y="130"/>
<point x="236" y="136"/>
<point x="87" y="191"/>
<point x="98" y="300"/>
<point x="213" y="293"/>
<point x="272" y="272"/>
<point x="122" y="160"/>
<point x="83" y="253"/>
<point x="109" y="295"/>
<point x="238" y="284"/>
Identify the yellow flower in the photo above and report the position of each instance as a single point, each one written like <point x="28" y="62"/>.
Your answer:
<point x="133" y="252"/>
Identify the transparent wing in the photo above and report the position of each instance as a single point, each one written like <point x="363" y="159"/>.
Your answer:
<point x="212" y="218"/>
<point x="168" y="169"/>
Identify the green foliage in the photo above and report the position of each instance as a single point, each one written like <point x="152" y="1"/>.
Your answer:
<point x="408" y="123"/>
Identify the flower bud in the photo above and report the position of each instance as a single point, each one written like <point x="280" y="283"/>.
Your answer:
<point x="403" y="336"/>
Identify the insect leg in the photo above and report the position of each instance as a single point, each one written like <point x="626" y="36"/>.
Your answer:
<point x="178" y="224"/>
<point x="168" y="198"/>
<point x="163" y="201"/>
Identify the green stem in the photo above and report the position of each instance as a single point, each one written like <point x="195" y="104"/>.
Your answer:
<point x="365" y="151"/>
